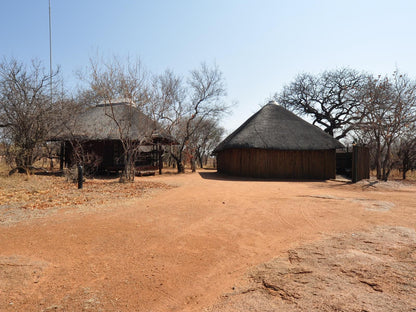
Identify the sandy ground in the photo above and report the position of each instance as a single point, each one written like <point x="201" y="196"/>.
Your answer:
<point x="182" y="248"/>
<point x="367" y="272"/>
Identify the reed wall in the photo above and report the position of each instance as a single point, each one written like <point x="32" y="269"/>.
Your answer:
<point x="261" y="163"/>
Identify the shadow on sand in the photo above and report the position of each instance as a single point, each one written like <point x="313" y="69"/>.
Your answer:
<point x="214" y="175"/>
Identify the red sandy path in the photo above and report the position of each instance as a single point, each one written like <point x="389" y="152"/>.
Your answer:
<point x="179" y="249"/>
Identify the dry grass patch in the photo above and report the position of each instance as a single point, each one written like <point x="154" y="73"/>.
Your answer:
<point x="40" y="194"/>
<point x="398" y="175"/>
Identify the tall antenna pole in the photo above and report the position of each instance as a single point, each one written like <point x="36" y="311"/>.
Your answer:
<point x="50" y="50"/>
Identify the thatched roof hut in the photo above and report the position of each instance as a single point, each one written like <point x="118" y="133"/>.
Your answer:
<point x="275" y="143"/>
<point x="100" y="131"/>
<point x="104" y="122"/>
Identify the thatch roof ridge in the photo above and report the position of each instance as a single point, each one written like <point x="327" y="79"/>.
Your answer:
<point x="274" y="127"/>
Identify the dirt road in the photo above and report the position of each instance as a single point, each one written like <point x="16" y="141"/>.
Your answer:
<point x="179" y="249"/>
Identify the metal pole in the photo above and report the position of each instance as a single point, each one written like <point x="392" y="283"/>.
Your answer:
<point x="50" y="50"/>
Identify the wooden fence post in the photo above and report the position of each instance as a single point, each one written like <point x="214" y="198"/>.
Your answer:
<point x="80" y="176"/>
<point x="160" y="160"/>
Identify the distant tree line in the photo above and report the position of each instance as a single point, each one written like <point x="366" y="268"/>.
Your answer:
<point x="188" y="108"/>
<point x="360" y="108"/>
<point x="26" y="110"/>
<point x="352" y="106"/>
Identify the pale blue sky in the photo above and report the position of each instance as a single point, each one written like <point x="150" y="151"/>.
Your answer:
<point x="260" y="45"/>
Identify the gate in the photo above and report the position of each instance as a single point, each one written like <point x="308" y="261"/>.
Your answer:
<point x="355" y="164"/>
<point x="360" y="163"/>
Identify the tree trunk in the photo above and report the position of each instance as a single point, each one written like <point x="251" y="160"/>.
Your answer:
<point x="193" y="164"/>
<point x="125" y="173"/>
<point x="201" y="163"/>
<point x="131" y="173"/>
<point x="386" y="174"/>
<point x="51" y="163"/>
<point x="180" y="166"/>
<point x="386" y="163"/>
<point x="378" y="160"/>
<point x="24" y="161"/>
<point x="406" y="166"/>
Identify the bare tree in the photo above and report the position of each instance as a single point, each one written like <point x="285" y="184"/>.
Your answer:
<point x="116" y="80"/>
<point x="26" y="110"/>
<point x="389" y="109"/>
<point x="205" y="140"/>
<point x="331" y="98"/>
<point x="67" y="130"/>
<point x="406" y="152"/>
<point x="183" y="107"/>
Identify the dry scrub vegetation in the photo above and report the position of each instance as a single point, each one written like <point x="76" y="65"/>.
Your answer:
<point x="24" y="196"/>
<point x="397" y="175"/>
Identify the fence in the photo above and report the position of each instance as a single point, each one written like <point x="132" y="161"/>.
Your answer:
<point x="360" y="163"/>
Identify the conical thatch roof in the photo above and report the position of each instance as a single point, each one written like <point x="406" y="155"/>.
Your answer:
<point x="104" y="121"/>
<point x="274" y="127"/>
